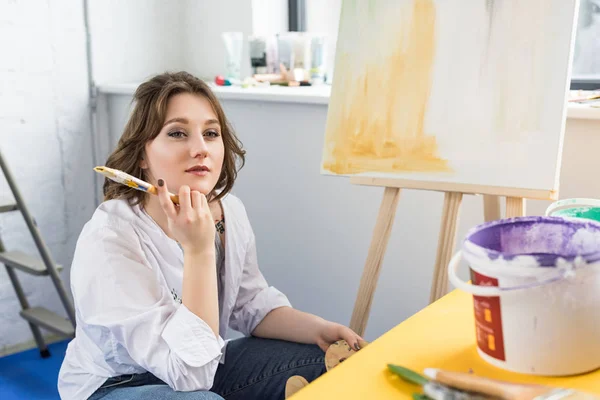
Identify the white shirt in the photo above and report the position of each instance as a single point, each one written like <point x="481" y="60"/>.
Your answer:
<point x="126" y="280"/>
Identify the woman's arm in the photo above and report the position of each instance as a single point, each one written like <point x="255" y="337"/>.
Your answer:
<point x="199" y="292"/>
<point x="289" y="324"/>
<point x="191" y="224"/>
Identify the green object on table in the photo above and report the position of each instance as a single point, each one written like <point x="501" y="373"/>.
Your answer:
<point x="580" y="212"/>
<point x="419" y="396"/>
<point x="408" y="375"/>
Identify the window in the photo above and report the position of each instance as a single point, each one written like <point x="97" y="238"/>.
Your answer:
<point x="586" y="58"/>
<point x="297" y="15"/>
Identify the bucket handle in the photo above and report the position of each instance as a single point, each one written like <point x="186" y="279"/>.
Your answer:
<point x="571" y="203"/>
<point x="489" y="291"/>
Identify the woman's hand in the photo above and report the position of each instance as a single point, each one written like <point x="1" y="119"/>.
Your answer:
<point x="190" y="223"/>
<point x="330" y="332"/>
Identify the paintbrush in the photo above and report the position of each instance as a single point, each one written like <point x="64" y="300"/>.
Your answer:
<point x="501" y="389"/>
<point x="433" y="390"/>
<point x="593" y="96"/>
<point x="131" y="181"/>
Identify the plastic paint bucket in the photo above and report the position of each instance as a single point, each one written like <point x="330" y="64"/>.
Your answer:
<point x="576" y="208"/>
<point x="536" y="293"/>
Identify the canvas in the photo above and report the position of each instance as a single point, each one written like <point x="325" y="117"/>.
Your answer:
<point x="463" y="91"/>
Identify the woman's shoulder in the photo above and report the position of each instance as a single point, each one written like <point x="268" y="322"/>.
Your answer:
<point x="115" y="211"/>
<point x="110" y="231"/>
<point x="236" y="216"/>
<point x="236" y="207"/>
<point x="116" y="214"/>
<point x="233" y="202"/>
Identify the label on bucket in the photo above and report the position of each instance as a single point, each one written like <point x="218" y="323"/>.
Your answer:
<point x="488" y="319"/>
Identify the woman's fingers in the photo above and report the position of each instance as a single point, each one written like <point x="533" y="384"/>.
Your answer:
<point x="204" y="202"/>
<point x="353" y="340"/>
<point x="362" y="342"/>
<point x="197" y="203"/>
<point x="165" y="200"/>
<point x="185" y="201"/>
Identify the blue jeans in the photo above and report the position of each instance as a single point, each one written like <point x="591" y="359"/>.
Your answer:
<point x="254" y="369"/>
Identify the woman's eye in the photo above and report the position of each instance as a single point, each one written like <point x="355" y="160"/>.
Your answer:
<point x="212" y="134"/>
<point x="176" y="134"/>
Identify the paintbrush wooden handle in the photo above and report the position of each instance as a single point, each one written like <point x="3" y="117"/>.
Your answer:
<point x="472" y="383"/>
<point x="174" y="198"/>
<point x="501" y="389"/>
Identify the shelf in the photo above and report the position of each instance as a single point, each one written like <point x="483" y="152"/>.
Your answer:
<point x="303" y="95"/>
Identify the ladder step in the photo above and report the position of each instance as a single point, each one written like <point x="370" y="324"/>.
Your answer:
<point x="8" y="207"/>
<point x="25" y="262"/>
<point x="45" y="318"/>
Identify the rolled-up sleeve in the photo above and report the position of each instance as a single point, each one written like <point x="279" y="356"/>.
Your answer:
<point x="190" y="338"/>
<point x="116" y="290"/>
<point x="255" y="297"/>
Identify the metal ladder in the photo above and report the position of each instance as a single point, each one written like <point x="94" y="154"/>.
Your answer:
<point x="37" y="317"/>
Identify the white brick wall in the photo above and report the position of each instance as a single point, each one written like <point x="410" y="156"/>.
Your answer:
<point x="45" y="139"/>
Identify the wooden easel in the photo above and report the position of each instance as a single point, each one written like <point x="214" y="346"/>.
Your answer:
<point x="515" y="206"/>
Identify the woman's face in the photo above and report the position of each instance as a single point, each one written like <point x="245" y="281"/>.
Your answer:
<point x="189" y="148"/>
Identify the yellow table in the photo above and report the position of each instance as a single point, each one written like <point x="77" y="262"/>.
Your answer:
<point x="440" y="336"/>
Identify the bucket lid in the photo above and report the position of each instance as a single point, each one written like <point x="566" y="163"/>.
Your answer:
<point x="537" y="241"/>
<point x="577" y="208"/>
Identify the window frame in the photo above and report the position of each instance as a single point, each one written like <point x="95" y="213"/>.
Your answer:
<point x="578" y="83"/>
<point x="297" y="15"/>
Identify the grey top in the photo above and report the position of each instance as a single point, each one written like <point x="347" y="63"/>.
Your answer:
<point x="220" y="258"/>
<point x="219" y="252"/>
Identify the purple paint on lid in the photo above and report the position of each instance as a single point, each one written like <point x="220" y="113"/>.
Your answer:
<point x="544" y="238"/>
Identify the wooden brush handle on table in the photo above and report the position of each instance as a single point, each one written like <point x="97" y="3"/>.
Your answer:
<point x="505" y="390"/>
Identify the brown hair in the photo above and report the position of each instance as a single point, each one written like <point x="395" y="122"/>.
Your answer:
<point x="145" y="123"/>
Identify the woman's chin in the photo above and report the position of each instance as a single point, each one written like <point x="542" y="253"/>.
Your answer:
<point x="204" y="189"/>
<point x="202" y="186"/>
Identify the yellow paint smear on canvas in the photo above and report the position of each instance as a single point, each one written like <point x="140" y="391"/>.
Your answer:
<point x="381" y="127"/>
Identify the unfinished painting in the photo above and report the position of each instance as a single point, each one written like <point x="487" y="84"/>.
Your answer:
<point x="465" y="91"/>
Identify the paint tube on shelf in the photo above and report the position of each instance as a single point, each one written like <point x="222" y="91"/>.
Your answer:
<point x="233" y="49"/>
<point x="258" y="54"/>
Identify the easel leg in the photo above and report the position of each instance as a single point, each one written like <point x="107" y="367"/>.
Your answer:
<point x="439" y="284"/>
<point x="515" y="207"/>
<point x="379" y="241"/>
<point x="491" y="208"/>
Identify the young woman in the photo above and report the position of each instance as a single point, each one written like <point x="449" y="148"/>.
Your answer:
<point x="156" y="285"/>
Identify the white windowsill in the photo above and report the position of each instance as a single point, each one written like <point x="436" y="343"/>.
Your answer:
<point x="279" y="94"/>
<point x="581" y="111"/>
<point x="304" y="95"/>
